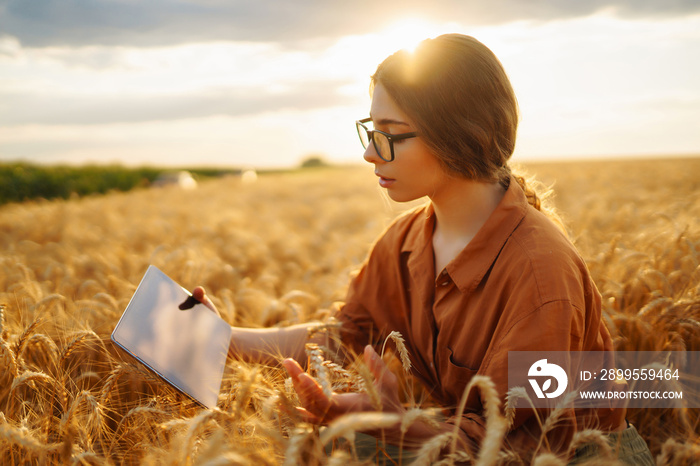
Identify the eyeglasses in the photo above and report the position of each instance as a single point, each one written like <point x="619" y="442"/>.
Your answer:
<point x="383" y="142"/>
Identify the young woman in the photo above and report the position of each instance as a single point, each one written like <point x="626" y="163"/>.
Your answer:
<point x="475" y="273"/>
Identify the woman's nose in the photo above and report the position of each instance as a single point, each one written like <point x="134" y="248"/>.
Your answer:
<point x="371" y="155"/>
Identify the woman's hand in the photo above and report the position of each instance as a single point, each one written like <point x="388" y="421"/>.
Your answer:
<point x="200" y="295"/>
<point x="318" y="408"/>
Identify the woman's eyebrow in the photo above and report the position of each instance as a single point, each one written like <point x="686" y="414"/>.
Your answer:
<point x="389" y="121"/>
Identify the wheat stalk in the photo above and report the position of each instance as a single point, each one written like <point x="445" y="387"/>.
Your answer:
<point x="296" y="446"/>
<point x="513" y="395"/>
<point x="548" y="459"/>
<point x="341" y="378"/>
<point x="2" y="321"/>
<point x="29" y="376"/>
<point x="417" y="414"/>
<point x="564" y="407"/>
<point x="593" y="437"/>
<point x="77" y="339"/>
<point x="516" y="393"/>
<point x="430" y="450"/>
<point x="243" y="393"/>
<point x="368" y="385"/>
<point x="133" y="412"/>
<point x="51" y="350"/>
<point x="675" y="452"/>
<point x="94" y="411"/>
<point x="109" y="384"/>
<point x="401" y="347"/>
<point x="339" y="458"/>
<point x="509" y="457"/>
<point x="48" y="300"/>
<point x="89" y="457"/>
<point x="22" y="341"/>
<point x="22" y="438"/>
<point x="316" y="361"/>
<point x="496" y="425"/>
<point x="350" y="423"/>
<point x="8" y="355"/>
<point x="460" y="457"/>
<point x="191" y="434"/>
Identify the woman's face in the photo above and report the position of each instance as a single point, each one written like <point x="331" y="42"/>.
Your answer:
<point x="415" y="172"/>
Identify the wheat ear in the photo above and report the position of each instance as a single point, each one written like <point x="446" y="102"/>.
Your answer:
<point x="496" y="425"/>
<point x="74" y="343"/>
<point x="401" y="347"/>
<point x="28" y="376"/>
<point x="295" y="447"/>
<point x="243" y="393"/>
<point x="9" y="355"/>
<point x="192" y="431"/>
<point x="2" y="321"/>
<point x="416" y="414"/>
<point x="562" y="408"/>
<point x="19" y="347"/>
<point x="49" y="299"/>
<point x="548" y="459"/>
<point x="110" y="383"/>
<point x="460" y="457"/>
<point x="368" y="385"/>
<point x="316" y="364"/>
<point x="430" y="450"/>
<point x="595" y="437"/>
<point x="516" y="393"/>
<point x="674" y="452"/>
<point x="513" y="395"/>
<point x="94" y="411"/>
<point x="22" y="438"/>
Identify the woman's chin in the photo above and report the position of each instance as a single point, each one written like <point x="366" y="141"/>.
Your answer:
<point x="398" y="196"/>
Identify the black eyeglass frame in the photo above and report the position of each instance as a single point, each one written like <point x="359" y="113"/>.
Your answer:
<point x="359" y="124"/>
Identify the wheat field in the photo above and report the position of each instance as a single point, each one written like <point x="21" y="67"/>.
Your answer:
<point x="276" y="252"/>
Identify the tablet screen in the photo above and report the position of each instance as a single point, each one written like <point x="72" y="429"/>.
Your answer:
<point x="187" y="347"/>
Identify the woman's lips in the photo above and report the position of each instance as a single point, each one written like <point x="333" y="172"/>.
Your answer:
<point x="385" y="182"/>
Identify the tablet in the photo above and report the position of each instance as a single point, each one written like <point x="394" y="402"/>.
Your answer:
<point x="175" y="336"/>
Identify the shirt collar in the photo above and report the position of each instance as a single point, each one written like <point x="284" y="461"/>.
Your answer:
<point x="472" y="263"/>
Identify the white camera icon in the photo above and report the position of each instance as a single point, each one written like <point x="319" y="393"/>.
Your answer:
<point x="542" y="368"/>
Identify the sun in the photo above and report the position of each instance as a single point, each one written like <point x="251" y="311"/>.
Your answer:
<point x="407" y="33"/>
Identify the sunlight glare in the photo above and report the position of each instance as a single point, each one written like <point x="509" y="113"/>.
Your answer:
<point x="407" y="33"/>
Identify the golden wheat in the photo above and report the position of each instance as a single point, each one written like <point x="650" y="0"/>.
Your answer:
<point x="280" y="251"/>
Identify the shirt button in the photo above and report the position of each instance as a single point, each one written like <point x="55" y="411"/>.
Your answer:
<point x="445" y="283"/>
<point x="432" y="366"/>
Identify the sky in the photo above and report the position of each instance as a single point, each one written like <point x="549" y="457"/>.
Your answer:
<point x="268" y="83"/>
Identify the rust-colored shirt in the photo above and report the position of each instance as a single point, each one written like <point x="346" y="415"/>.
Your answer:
<point x="519" y="285"/>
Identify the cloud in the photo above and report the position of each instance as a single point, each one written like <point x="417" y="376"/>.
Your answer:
<point x="65" y="109"/>
<point x="41" y="23"/>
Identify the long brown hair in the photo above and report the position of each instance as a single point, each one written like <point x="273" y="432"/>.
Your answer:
<point x="461" y="101"/>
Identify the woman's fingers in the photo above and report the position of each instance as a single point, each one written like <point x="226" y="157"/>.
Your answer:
<point x="308" y="390"/>
<point x="386" y="381"/>
<point x="308" y="416"/>
<point x="200" y="295"/>
<point x="293" y="368"/>
<point x="381" y="372"/>
<point x="319" y="408"/>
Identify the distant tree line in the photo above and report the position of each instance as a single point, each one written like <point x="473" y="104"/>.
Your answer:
<point x="23" y="181"/>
